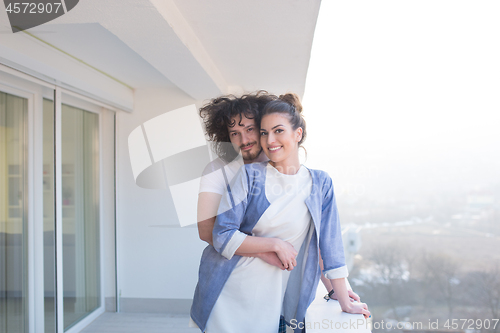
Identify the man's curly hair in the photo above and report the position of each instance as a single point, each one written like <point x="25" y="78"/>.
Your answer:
<point x="217" y="115"/>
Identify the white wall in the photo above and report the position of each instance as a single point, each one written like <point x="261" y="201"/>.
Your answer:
<point x="155" y="262"/>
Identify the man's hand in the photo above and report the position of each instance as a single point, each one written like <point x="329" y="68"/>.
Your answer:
<point x="271" y="258"/>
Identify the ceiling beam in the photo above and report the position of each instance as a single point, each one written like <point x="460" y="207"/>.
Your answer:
<point x="176" y="20"/>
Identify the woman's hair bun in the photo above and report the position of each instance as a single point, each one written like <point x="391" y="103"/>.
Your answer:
<point x="288" y="104"/>
<point x="292" y="99"/>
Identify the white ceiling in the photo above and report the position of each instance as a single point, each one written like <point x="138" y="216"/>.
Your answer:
<point x="205" y="48"/>
<point x="259" y="44"/>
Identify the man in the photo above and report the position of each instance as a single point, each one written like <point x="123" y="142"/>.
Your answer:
<point x="232" y="124"/>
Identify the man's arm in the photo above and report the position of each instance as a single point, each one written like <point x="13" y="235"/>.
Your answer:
<point x="208" y="203"/>
<point x="205" y="230"/>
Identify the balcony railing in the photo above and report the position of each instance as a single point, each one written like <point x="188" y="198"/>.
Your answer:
<point x="325" y="317"/>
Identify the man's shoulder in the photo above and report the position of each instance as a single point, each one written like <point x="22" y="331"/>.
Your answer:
<point x="213" y="166"/>
<point x="213" y="179"/>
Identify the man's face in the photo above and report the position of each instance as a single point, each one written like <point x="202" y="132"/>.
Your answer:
<point x="244" y="136"/>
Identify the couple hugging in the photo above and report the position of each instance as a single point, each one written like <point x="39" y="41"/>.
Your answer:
<point x="271" y="223"/>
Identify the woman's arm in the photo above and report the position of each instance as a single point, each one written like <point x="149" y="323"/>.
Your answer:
<point x="328" y="285"/>
<point x="332" y="251"/>
<point x="326" y="282"/>
<point x="208" y="203"/>
<point x="339" y="285"/>
<point x="284" y="250"/>
<point x="226" y="235"/>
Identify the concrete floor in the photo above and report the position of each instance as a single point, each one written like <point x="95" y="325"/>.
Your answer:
<point x="112" y="322"/>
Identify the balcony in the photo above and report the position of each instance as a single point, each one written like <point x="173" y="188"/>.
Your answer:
<point x="321" y="317"/>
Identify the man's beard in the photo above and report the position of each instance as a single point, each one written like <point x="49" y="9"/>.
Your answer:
<point x="248" y="156"/>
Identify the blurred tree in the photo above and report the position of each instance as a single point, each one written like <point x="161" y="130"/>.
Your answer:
<point x="391" y="269"/>
<point x="483" y="291"/>
<point x="440" y="278"/>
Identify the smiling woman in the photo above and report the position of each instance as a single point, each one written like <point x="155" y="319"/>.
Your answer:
<point x="282" y="130"/>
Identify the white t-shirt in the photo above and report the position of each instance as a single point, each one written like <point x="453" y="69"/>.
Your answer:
<point x="218" y="174"/>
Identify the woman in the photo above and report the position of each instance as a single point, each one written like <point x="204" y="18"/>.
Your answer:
<point x="277" y="206"/>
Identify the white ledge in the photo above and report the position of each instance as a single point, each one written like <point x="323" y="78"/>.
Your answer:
<point x="327" y="317"/>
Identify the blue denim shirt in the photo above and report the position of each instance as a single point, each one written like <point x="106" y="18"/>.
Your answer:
<point x="239" y="211"/>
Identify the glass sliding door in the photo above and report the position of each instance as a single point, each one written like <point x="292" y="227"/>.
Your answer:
<point x="13" y="214"/>
<point x="80" y="212"/>
<point x="50" y="277"/>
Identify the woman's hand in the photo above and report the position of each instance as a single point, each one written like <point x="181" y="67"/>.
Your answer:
<point x="286" y="253"/>
<point x="356" y="307"/>
<point x="271" y="258"/>
<point x="352" y="296"/>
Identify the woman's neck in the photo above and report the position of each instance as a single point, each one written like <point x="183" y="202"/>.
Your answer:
<point x="289" y="166"/>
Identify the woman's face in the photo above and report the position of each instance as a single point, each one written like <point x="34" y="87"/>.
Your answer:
<point x="278" y="139"/>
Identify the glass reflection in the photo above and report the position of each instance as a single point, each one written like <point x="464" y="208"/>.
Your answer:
<point x="80" y="209"/>
<point x="13" y="215"/>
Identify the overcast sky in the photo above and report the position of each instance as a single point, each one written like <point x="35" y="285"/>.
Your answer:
<point x="404" y="96"/>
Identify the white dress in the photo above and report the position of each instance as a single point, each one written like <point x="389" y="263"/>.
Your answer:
<point x="251" y="300"/>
